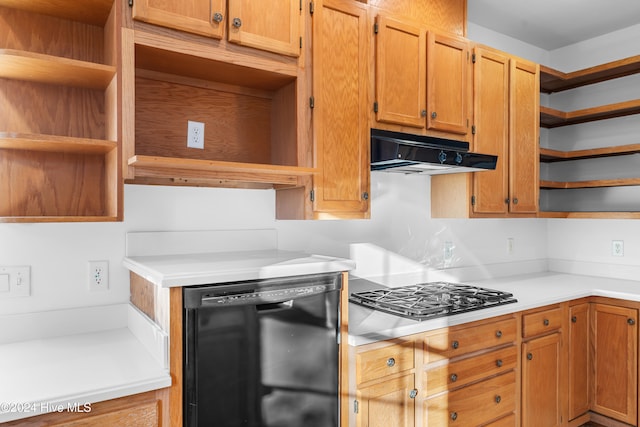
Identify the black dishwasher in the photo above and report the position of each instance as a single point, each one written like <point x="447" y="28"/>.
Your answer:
<point x="262" y="353"/>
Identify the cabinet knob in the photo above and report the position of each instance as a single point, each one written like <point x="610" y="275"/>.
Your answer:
<point x="574" y="319"/>
<point x="515" y="200"/>
<point x="434" y="115"/>
<point x="237" y="22"/>
<point x="498" y="334"/>
<point x="631" y="321"/>
<point x="498" y="399"/>
<point x="454" y="416"/>
<point x="217" y="17"/>
<point x="391" y="362"/>
<point x="546" y="322"/>
<point x="455" y="344"/>
<point x="423" y="113"/>
<point x="413" y="393"/>
<point x="365" y="195"/>
<point x="506" y="201"/>
<point x="453" y="378"/>
<point x="529" y="356"/>
<point x="499" y="363"/>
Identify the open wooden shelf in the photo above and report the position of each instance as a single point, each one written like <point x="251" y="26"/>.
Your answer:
<point x="555" y="81"/>
<point x="36" y="67"/>
<point x="201" y="171"/>
<point x="548" y="155"/>
<point x="598" y="183"/>
<point x="552" y="118"/>
<point x="52" y="143"/>
<point x="93" y="12"/>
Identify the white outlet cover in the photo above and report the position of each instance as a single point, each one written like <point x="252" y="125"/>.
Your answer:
<point x="617" y="247"/>
<point x="98" y="275"/>
<point x="195" y="135"/>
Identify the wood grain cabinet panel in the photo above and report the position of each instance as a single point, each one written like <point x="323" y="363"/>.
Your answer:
<point x="579" y="360"/>
<point x="541" y="322"/>
<point x="400" y="70"/>
<point x="542" y="375"/>
<point x="387" y="404"/>
<point x="473" y="405"/>
<point x="385" y="361"/>
<point x="615" y="340"/>
<point x="272" y="26"/>
<point x="341" y="109"/>
<point x="448" y="87"/>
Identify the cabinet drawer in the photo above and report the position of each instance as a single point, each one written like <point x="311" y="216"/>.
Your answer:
<point x="458" y="341"/>
<point x="541" y="322"/>
<point x="474" y="405"/>
<point x="385" y="361"/>
<point x="465" y="371"/>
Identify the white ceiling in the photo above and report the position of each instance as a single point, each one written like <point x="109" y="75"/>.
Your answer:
<point x="551" y="24"/>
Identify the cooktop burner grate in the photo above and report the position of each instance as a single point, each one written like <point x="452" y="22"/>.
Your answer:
<point x="429" y="300"/>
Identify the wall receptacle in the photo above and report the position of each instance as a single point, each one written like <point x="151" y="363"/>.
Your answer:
<point x="617" y="247"/>
<point x="195" y="134"/>
<point x="510" y="245"/>
<point x="98" y="275"/>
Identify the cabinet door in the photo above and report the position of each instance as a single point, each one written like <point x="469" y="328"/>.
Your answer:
<point x="273" y="26"/>
<point x="387" y="404"/>
<point x="615" y="362"/>
<point x="448" y="87"/>
<point x="400" y="73"/>
<point x="579" y="360"/>
<point x="541" y="382"/>
<point x="341" y="132"/>
<point x="491" y="118"/>
<point x="195" y="16"/>
<point x="524" y="137"/>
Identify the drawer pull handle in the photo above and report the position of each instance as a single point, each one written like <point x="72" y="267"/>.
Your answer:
<point x="498" y="399"/>
<point x="413" y="393"/>
<point x="391" y="362"/>
<point x="498" y="334"/>
<point x="499" y="363"/>
<point x="454" y="416"/>
<point x="631" y="321"/>
<point x="455" y="344"/>
<point x="529" y="356"/>
<point x="454" y="378"/>
<point x="546" y="322"/>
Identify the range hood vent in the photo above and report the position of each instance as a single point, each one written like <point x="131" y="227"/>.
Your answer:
<point x="408" y="153"/>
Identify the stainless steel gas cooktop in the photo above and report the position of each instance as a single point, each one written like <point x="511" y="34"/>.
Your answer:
<point x="429" y="300"/>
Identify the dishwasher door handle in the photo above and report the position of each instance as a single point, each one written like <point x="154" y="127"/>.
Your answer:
<point x="275" y="306"/>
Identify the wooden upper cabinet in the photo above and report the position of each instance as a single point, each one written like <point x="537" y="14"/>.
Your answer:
<point x="524" y="136"/>
<point x="491" y="118"/>
<point x="204" y="17"/>
<point x="449" y="87"/>
<point x="615" y="340"/>
<point x="340" y="115"/>
<point x="400" y="73"/>
<point x="273" y="26"/>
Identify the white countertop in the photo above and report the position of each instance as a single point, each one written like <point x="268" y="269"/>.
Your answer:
<point x="531" y="291"/>
<point x="220" y="267"/>
<point x="52" y="373"/>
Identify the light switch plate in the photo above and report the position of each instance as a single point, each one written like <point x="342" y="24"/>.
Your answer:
<point x="19" y="281"/>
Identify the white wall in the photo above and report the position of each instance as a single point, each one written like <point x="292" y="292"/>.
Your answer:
<point x="58" y="253"/>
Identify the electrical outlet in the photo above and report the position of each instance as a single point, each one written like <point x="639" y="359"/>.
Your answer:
<point x="448" y="250"/>
<point x="195" y="135"/>
<point x="617" y="247"/>
<point x="510" y="245"/>
<point x="98" y="275"/>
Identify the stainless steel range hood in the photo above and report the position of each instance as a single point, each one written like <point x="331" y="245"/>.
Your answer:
<point x="408" y="153"/>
